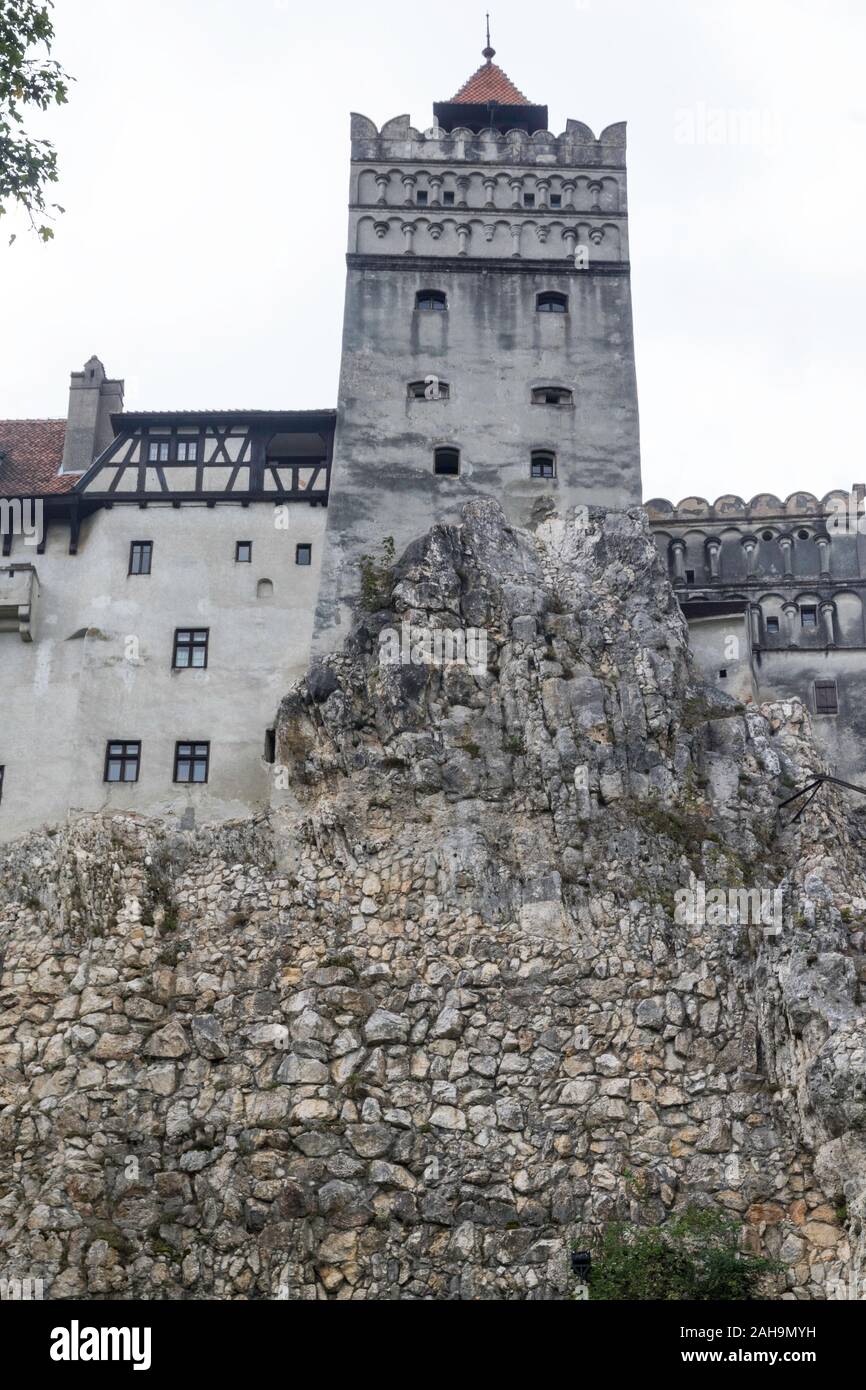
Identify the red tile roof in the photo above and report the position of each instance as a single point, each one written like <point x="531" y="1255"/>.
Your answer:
<point x="30" y="455"/>
<point x="490" y="83"/>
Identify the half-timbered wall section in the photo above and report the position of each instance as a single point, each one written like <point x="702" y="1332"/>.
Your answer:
<point x="193" y="457"/>
<point x="775" y="595"/>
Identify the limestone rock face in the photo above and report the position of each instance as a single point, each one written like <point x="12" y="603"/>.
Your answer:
<point x="467" y="992"/>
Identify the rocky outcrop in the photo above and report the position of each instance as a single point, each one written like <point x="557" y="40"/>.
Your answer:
<point x="465" y="993"/>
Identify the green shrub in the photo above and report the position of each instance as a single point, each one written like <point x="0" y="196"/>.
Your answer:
<point x="696" y="1255"/>
<point x="377" y="577"/>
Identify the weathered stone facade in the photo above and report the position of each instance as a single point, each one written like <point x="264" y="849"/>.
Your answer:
<point x="434" y="1018"/>
<point x="773" y="591"/>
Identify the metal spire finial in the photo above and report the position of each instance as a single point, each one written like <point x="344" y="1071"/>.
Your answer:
<point x="488" y="52"/>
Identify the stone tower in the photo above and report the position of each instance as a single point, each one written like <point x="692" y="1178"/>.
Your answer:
<point x="487" y="340"/>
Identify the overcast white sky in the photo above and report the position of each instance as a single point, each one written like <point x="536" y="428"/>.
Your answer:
<point x="204" y="157"/>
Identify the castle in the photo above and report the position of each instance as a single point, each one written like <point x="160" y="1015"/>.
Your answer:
<point x="166" y="575"/>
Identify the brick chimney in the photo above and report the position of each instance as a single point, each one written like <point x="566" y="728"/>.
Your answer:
<point x="92" y="399"/>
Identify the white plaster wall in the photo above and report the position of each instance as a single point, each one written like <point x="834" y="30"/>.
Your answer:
<point x="712" y="640"/>
<point x="99" y="666"/>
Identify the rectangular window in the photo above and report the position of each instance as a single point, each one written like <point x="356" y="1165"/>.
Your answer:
<point x="140" y="557"/>
<point x="190" y="648"/>
<point x="303" y="555"/>
<point x="809" y="617"/>
<point x="446" y="463"/>
<point x="690" y="576"/>
<point x="157" y="451"/>
<point x="552" y="395"/>
<point x="191" y="762"/>
<point x="244" y="553"/>
<point x="270" y="745"/>
<point x="723" y="675"/>
<point x="187" y="450"/>
<point x="543" y="465"/>
<point x="421" y="198"/>
<point x="556" y="200"/>
<point x="826" y="697"/>
<point x="447" y="200"/>
<point x="529" y="200"/>
<point x="122" y="761"/>
<point x="772" y="626"/>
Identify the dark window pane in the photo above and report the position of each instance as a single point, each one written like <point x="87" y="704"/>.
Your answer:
<point x="551" y="302"/>
<point x="543" y="466"/>
<point x="446" y="463"/>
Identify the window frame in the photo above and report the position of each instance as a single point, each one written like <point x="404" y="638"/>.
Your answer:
<point x="412" y="391"/>
<point x="239" y="545"/>
<point x="551" y="302"/>
<point x="187" y="444"/>
<point x="812" y="610"/>
<point x="775" y="629"/>
<point x="449" y="199"/>
<point x="305" y="546"/>
<point x="422" y="198"/>
<point x="145" y="546"/>
<point x="826" y="685"/>
<point x="567" y="403"/>
<point x="192" y="758"/>
<point x="190" y="646"/>
<point x="439" y="454"/>
<point x="438" y="302"/>
<point x="538" y="460"/>
<point x="163" y="450"/>
<point x="122" y="758"/>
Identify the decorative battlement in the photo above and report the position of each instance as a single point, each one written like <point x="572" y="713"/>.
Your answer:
<point x="399" y="140"/>
<point x="764" y="506"/>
